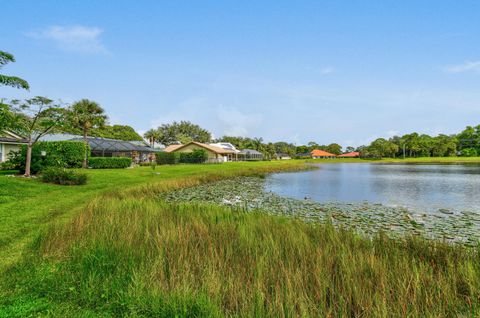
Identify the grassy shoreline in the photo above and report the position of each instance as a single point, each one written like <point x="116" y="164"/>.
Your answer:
<point x="127" y="253"/>
<point x="426" y="160"/>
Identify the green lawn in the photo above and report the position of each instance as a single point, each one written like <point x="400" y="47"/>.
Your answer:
<point x="27" y="205"/>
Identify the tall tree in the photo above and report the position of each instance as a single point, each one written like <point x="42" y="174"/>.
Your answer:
<point x="152" y="135"/>
<point x="12" y="81"/>
<point x="183" y="131"/>
<point x="35" y="118"/>
<point x="85" y="115"/>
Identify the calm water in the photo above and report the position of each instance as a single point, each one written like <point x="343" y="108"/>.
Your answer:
<point x="423" y="188"/>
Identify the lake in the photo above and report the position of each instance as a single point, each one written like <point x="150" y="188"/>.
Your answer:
<point x="419" y="187"/>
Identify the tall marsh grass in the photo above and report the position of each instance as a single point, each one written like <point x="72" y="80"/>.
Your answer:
<point x="131" y="257"/>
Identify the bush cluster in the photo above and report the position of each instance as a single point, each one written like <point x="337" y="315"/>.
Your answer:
<point x="168" y="158"/>
<point x="171" y="158"/>
<point x="63" y="176"/>
<point x="109" y="162"/>
<point x="64" y="154"/>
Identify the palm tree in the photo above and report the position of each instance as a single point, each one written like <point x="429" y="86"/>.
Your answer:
<point x="152" y="136"/>
<point x="12" y="81"/>
<point x="86" y="114"/>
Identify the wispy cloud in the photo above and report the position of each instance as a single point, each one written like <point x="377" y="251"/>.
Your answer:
<point x="327" y="70"/>
<point x="469" y="66"/>
<point x="75" y="38"/>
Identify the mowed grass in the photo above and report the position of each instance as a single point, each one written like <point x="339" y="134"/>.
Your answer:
<point x="27" y="205"/>
<point x="138" y="257"/>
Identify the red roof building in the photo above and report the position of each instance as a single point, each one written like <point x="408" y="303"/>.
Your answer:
<point x="317" y="153"/>
<point x="352" y="154"/>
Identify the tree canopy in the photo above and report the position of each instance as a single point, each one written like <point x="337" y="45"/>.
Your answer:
<point x="183" y="132"/>
<point x="12" y="81"/>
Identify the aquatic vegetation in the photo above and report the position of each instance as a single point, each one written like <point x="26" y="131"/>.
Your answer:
<point x="364" y="217"/>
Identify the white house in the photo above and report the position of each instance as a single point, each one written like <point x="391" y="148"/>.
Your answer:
<point x="9" y="142"/>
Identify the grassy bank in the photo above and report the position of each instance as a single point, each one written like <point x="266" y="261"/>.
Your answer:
<point x="131" y="257"/>
<point x="27" y="205"/>
<point x="400" y="160"/>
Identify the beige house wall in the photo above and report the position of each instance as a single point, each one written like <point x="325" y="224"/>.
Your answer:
<point x="192" y="147"/>
<point x="5" y="149"/>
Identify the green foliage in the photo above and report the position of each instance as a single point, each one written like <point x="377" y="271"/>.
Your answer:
<point x="183" y="131"/>
<point x="63" y="176"/>
<point x="65" y="154"/>
<point x="469" y="152"/>
<point x="109" y="162"/>
<point x="171" y="158"/>
<point x="167" y="158"/>
<point x="196" y="156"/>
<point x="119" y="132"/>
<point x="12" y="81"/>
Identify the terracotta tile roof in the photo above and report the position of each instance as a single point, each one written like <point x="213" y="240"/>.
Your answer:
<point x="352" y="154"/>
<point x="214" y="149"/>
<point x="321" y="153"/>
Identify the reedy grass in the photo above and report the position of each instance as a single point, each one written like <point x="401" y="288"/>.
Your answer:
<point x="131" y="257"/>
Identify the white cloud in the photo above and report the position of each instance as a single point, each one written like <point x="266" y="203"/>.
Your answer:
<point x="76" y="38"/>
<point x="327" y="70"/>
<point x="465" y="67"/>
<point x="236" y="123"/>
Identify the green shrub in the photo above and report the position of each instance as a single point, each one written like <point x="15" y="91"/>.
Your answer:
<point x="63" y="176"/>
<point x="171" y="158"/>
<point x="196" y="156"/>
<point x="7" y="165"/>
<point x="109" y="162"/>
<point x="468" y="152"/>
<point x="168" y="158"/>
<point x="64" y="154"/>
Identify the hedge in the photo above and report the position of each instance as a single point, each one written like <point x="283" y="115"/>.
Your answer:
<point x="167" y="158"/>
<point x="63" y="154"/>
<point x="109" y="162"/>
<point x="171" y="158"/>
<point x="63" y="176"/>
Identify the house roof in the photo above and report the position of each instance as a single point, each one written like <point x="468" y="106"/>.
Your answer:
<point x="321" y="153"/>
<point x="250" y="152"/>
<point x="352" y="154"/>
<point x="214" y="149"/>
<point x="113" y="145"/>
<point x="11" y="138"/>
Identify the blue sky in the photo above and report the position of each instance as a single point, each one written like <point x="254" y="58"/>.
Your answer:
<point x="299" y="71"/>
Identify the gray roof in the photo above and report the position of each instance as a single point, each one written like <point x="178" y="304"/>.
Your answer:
<point x="250" y="152"/>
<point x="113" y="145"/>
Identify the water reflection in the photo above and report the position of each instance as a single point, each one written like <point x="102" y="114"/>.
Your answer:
<point x="421" y="187"/>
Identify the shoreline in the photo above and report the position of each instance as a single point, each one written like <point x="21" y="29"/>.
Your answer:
<point x="248" y="193"/>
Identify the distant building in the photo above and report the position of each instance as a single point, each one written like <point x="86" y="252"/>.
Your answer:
<point x="321" y="154"/>
<point x="104" y="147"/>
<point x="9" y="142"/>
<point x="353" y="154"/>
<point x="250" y="155"/>
<point x="215" y="154"/>
<point x="283" y="156"/>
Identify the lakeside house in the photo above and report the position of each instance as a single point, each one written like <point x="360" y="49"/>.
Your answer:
<point x="139" y="151"/>
<point x="250" y="155"/>
<point x="215" y="153"/>
<point x="321" y="154"/>
<point x="9" y="142"/>
<point x="282" y="156"/>
<point x="353" y="154"/>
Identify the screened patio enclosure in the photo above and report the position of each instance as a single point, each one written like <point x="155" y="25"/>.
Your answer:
<point x="103" y="147"/>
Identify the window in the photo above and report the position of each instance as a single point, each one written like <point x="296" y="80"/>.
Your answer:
<point x="1" y="152"/>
